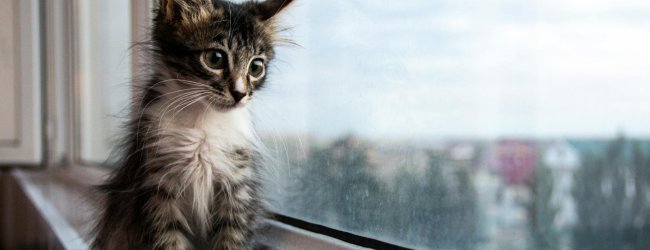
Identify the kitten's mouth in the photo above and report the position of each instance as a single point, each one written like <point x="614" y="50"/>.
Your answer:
<point x="225" y="100"/>
<point x="238" y="99"/>
<point x="228" y="105"/>
<point x="231" y="106"/>
<point x="224" y="106"/>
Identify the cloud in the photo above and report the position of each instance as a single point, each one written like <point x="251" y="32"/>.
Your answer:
<point x="477" y="68"/>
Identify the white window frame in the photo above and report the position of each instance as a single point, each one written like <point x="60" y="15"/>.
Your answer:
<point x="26" y="150"/>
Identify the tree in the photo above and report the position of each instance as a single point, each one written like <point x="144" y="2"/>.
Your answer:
<point x="444" y="206"/>
<point x="336" y="186"/>
<point x="312" y="195"/>
<point x="359" y="192"/>
<point x="437" y="208"/>
<point x="611" y="198"/>
<point x="541" y="212"/>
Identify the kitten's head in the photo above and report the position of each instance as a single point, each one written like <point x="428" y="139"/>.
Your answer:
<point x="220" y="45"/>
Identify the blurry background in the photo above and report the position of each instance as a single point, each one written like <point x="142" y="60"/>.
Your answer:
<point x="466" y="124"/>
<point x="432" y="124"/>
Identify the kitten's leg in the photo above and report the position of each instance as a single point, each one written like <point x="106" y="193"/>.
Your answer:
<point x="230" y="236"/>
<point x="168" y="225"/>
<point x="233" y="224"/>
<point x="235" y="209"/>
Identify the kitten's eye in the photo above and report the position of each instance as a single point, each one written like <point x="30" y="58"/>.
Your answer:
<point x="215" y="59"/>
<point x="256" y="69"/>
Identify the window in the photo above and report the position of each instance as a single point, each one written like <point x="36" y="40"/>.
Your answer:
<point x="434" y="123"/>
<point x="103" y="33"/>
<point x="465" y="124"/>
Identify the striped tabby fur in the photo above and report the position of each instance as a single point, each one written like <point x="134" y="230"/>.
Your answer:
<point x="189" y="177"/>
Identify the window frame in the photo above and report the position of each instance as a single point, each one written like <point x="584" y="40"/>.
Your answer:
<point x="63" y="157"/>
<point x="26" y="148"/>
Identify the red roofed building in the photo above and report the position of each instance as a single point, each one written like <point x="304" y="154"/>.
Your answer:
<point x="515" y="161"/>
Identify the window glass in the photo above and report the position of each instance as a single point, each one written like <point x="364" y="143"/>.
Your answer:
<point x="465" y="124"/>
<point x="103" y="74"/>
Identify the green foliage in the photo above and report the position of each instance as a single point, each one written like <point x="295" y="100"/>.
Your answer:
<point x="336" y="186"/>
<point x="541" y="212"/>
<point x="437" y="208"/>
<point x="446" y="203"/>
<point x="611" y="191"/>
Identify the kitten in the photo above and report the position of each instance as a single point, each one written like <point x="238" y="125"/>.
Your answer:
<point x="189" y="178"/>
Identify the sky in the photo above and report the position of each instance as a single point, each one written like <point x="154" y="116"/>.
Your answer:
<point x="475" y="68"/>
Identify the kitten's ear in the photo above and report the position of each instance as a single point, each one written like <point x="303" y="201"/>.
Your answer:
<point x="169" y="9"/>
<point x="174" y="9"/>
<point x="269" y="8"/>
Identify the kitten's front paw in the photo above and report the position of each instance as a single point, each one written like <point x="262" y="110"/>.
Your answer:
<point x="173" y="240"/>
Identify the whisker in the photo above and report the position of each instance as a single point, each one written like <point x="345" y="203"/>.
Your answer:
<point x="143" y="110"/>
<point x="177" y="99"/>
<point x="180" y="99"/>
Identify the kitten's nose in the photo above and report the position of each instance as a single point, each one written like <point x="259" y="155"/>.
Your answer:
<point x="239" y="90"/>
<point x="237" y="95"/>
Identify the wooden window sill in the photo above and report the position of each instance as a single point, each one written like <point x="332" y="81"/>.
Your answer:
<point x="62" y="198"/>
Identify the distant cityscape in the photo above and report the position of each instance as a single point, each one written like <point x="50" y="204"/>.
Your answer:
<point x="471" y="194"/>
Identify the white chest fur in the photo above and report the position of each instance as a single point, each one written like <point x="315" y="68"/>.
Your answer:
<point x="195" y="153"/>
